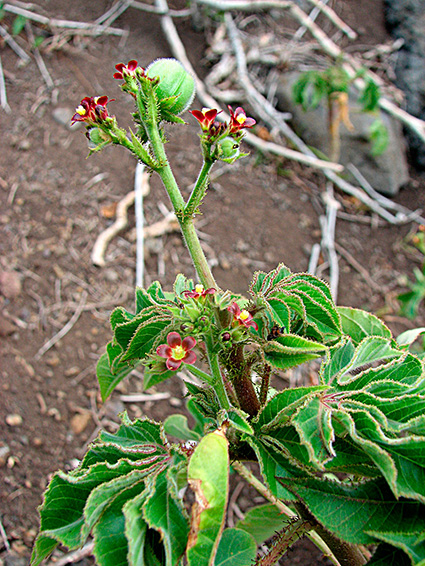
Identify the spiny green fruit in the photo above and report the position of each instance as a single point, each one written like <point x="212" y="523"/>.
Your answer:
<point x="174" y="81"/>
<point x="228" y="149"/>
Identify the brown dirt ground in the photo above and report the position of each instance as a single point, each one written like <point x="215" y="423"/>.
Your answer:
<point x="54" y="203"/>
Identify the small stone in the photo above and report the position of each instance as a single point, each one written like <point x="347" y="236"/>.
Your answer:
<point x="24" y="145"/>
<point x="4" y="453"/>
<point x="10" y="284"/>
<point x="62" y="115"/>
<point x="6" y="327"/>
<point x="14" y="420"/>
<point x="37" y="441"/>
<point x="70" y="372"/>
<point x="80" y="422"/>
<point x="53" y="360"/>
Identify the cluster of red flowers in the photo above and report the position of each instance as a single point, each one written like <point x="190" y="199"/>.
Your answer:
<point x="209" y="124"/>
<point x="91" y="110"/>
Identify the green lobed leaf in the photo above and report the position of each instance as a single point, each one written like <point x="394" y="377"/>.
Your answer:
<point x="401" y="375"/>
<point x="280" y="312"/>
<point x="166" y="514"/>
<point x="110" y="541"/>
<point x="135" y="529"/>
<point x="401" y="460"/>
<point x="290" y="350"/>
<point x="357" y="513"/>
<point x="280" y="408"/>
<point x="358" y="324"/>
<point x="102" y="496"/>
<point x="143" y="338"/>
<point x="408" y="542"/>
<point x="313" y="422"/>
<point x="370" y="350"/>
<point x="262" y="522"/>
<point x="208" y="477"/>
<point x="108" y="380"/>
<point x="236" y="548"/>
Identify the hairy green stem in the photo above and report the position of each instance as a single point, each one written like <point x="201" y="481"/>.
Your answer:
<point x="290" y="533"/>
<point x="218" y="386"/>
<point x="199" y="189"/>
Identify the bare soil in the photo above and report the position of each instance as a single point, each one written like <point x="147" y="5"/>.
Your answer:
<point x="54" y="203"/>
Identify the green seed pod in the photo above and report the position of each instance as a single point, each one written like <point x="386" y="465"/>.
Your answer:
<point x="228" y="150"/>
<point x="174" y="81"/>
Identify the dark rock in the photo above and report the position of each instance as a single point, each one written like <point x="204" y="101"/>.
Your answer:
<point x="386" y="172"/>
<point x="406" y="20"/>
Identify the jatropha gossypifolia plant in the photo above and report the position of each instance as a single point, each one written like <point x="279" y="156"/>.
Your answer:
<point x="342" y="461"/>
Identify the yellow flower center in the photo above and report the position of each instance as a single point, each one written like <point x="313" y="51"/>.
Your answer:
<point x="244" y="315"/>
<point x="178" y="352"/>
<point x="241" y="118"/>
<point x="199" y="289"/>
<point x="80" y="110"/>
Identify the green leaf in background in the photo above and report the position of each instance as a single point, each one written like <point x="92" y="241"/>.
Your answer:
<point x="236" y="548"/>
<point x="208" y="477"/>
<point x="369" y="98"/>
<point x="18" y="24"/>
<point x="137" y="341"/>
<point x="358" y="324"/>
<point x="152" y="377"/>
<point x="262" y="522"/>
<point x="409" y="336"/>
<point x="177" y="426"/>
<point x="379" y="137"/>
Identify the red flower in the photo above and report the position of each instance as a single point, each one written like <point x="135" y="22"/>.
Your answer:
<point x="199" y="291"/>
<point x="243" y="317"/>
<point x="125" y="70"/>
<point x="91" y="110"/>
<point x="239" y="120"/>
<point x="177" y="350"/>
<point x="205" y="118"/>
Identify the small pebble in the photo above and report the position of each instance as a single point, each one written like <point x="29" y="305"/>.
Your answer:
<point x="14" y="420"/>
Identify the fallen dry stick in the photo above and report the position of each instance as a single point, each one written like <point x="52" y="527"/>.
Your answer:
<point x="99" y="248"/>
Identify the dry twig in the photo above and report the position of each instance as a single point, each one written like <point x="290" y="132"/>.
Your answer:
<point x="50" y="343"/>
<point x="81" y="27"/>
<point x="75" y="556"/>
<point x="14" y="46"/>
<point x="38" y="58"/>
<point x="3" y="96"/>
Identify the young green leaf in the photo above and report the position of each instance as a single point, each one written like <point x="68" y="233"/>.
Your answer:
<point x="208" y="476"/>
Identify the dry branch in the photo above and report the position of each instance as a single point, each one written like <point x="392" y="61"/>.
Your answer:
<point x="92" y="29"/>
